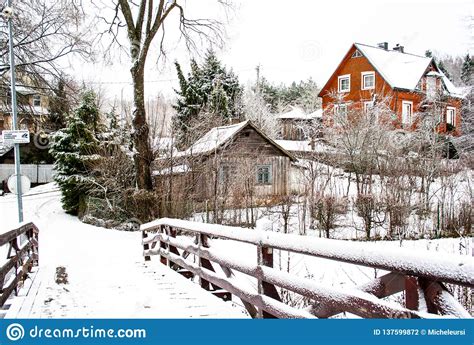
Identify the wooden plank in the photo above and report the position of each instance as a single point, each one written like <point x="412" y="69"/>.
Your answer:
<point x="12" y="234"/>
<point x="28" y="292"/>
<point x="439" y="300"/>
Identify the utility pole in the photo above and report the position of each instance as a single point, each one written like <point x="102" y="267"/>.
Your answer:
<point x="9" y="16"/>
<point x="258" y="79"/>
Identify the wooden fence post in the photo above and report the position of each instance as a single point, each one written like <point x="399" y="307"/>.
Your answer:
<point x="146" y="246"/>
<point x="163" y="259"/>
<point x="411" y="293"/>
<point x="265" y="258"/>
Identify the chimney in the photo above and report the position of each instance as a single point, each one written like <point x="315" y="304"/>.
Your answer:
<point x="383" y="45"/>
<point x="399" y="48"/>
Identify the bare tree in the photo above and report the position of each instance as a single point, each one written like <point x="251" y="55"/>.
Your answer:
<point x="45" y="32"/>
<point x="145" y="21"/>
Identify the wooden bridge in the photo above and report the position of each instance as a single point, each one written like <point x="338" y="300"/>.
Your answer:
<point x="422" y="277"/>
<point x="184" y="251"/>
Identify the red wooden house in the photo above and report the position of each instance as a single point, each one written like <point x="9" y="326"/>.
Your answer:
<point x="410" y="85"/>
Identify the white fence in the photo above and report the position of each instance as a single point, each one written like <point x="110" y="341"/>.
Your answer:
<point x="37" y="173"/>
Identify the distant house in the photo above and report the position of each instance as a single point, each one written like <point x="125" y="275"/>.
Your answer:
<point x="297" y="125"/>
<point x="409" y="84"/>
<point x="229" y="163"/>
<point x="32" y="107"/>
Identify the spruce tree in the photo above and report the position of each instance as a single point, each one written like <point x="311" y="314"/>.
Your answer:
<point x="208" y="88"/>
<point x="466" y="70"/>
<point x="73" y="149"/>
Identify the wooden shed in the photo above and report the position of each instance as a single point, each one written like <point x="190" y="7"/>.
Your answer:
<point x="232" y="163"/>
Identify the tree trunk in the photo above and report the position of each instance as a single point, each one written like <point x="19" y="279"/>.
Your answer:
<point x="143" y="156"/>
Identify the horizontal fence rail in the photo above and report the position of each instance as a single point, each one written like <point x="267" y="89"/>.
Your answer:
<point x="417" y="274"/>
<point x="21" y="245"/>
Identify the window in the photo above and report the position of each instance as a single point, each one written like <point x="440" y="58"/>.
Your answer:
<point x="368" y="80"/>
<point x="340" y="109"/>
<point x="451" y="115"/>
<point x="264" y="174"/>
<point x="344" y="83"/>
<point x="37" y="101"/>
<point x="368" y="106"/>
<point x="356" y="54"/>
<point x="407" y="112"/>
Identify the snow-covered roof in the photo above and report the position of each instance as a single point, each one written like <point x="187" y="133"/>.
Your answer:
<point x="24" y="90"/>
<point x="295" y="145"/>
<point x="452" y="90"/>
<point x="218" y="136"/>
<point x="298" y="113"/>
<point x="213" y="139"/>
<point x="4" y="148"/>
<point x="317" y="114"/>
<point x="178" y="169"/>
<point x="400" y="70"/>
<point x="302" y="146"/>
<point x="294" y="113"/>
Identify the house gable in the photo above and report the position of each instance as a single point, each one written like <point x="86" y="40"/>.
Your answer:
<point x="356" y="67"/>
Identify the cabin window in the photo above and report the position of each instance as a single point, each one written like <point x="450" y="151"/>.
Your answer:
<point x="407" y="112"/>
<point x="356" y="54"/>
<point x="264" y="174"/>
<point x="344" y="83"/>
<point x="368" y="80"/>
<point x="451" y="115"/>
<point x="36" y="101"/>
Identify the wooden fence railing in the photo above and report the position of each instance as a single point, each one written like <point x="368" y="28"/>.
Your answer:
<point x="22" y="255"/>
<point x="420" y="275"/>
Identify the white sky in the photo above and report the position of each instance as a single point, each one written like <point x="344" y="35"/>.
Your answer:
<point x="298" y="39"/>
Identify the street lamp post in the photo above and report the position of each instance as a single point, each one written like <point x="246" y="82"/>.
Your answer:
<point x="9" y="16"/>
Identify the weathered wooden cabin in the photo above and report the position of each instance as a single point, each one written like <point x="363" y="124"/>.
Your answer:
<point x="234" y="164"/>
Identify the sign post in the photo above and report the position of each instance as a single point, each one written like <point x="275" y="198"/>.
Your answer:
<point x="15" y="113"/>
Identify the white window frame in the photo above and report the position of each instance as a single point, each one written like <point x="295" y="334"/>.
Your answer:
<point x="36" y="98"/>
<point x="342" y="77"/>
<point x="368" y="105"/>
<point x="356" y="54"/>
<point x="365" y="74"/>
<point x="410" y="116"/>
<point x="339" y="107"/>
<point x="451" y="118"/>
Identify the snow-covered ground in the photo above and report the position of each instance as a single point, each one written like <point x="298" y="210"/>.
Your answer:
<point x="106" y="271"/>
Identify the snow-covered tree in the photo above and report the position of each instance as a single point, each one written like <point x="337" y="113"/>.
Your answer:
<point x="209" y="88"/>
<point x="73" y="149"/>
<point x="466" y="70"/>
<point x="257" y="110"/>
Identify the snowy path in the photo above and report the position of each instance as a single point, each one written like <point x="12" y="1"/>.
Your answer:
<point x="107" y="275"/>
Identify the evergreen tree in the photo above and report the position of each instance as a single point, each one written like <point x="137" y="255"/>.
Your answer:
<point x="59" y="106"/>
<point x="208" y="88"/>
<point x="303" y="94"/>
<point x="466" y="70"/>
<point x="73" y="149"/>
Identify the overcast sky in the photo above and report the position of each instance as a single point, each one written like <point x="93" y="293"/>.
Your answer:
<point x="298" y="39"/>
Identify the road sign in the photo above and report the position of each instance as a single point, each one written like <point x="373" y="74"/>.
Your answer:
<point x="16" y="137"/>
<point x="25" y="184"/>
